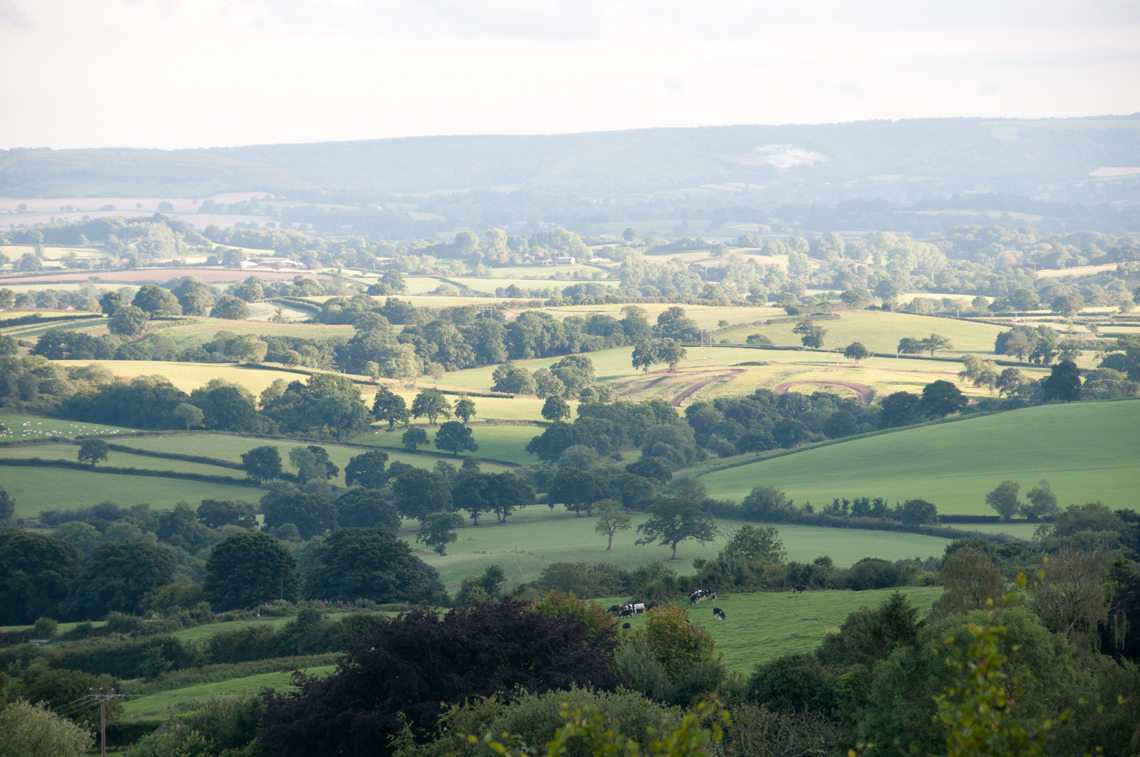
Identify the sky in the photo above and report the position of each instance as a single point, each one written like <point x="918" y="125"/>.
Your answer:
<point x="202" y="73"/>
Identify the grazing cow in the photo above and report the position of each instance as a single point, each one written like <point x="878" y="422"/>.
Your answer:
<point x="699" y="595"/>
<point x="799" y="589"/>
<point x="626" y="613"/>
<point x="718" y="613"/>
<point x="639" y="607"/>
<point x="626" y="626"/>
<point x="615" y="609"/>
<point x="651" y="606"/>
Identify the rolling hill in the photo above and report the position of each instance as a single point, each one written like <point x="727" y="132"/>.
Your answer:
<point x="1087" y="451"/>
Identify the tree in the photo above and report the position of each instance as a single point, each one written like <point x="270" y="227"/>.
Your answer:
<point x="856" y="298"/>
<point x="1071" y="599"/>
<point x="513" y="379"/>
<point x="312" y="463"/>
<point x="1063" y="383"/>
<point x="756" y="545"/>
<point x="644" y="355"/>
<point x="1004" y="499"/>
<point x="128" y="321"/>
<point x="1042" y="502"/>
<point x="35" y="573"/>
<point x="111" y="303"/>
<point x="246" y="569"/>
<point x="839" y="424"/>
<point x="418" y="493"/>
<point x="191" y="416"/>
<point x="611" y="519"/>
<point x="156" y="301"/>
<point x="856" y="351"/>
<point x="969" y="579"/>
<point x="465" y="409"/>
<point x="673" y="520"/>
<point x="899" y="409"/>
<point x="367" y="470"/>
<point x="413" y="437"/>
<point x="454" y="437"/>
<point x="230" y="308"/>
<point x="115" y="578"/>
<point x="546" y="384"/>
<point x="671" y="351"/>
<point x="576" y="489"/>
<point x="93" y="451"/>
<point x="410" y="669"/>
<point x="788" y="432"/>
<point x="432" y="403"/>
<point x="438" y="531"/>
<point x="910" y="346"/>
<point x="679" y="645"/>
<point x="366" y="508"/>
<point x="941" y="398"/>
<point x="936" y="342"/>
<point x="1067" y="305"/>
<point x="215" y="513"/>
<point x="810" y="334"/>
<point x="313" y="515"/>
<point x="389" y="406"/>
<point x="8" y="516"/>
<point x="262" y="463"/>
<point x="1023" y="299"/>
<point x="918" y="512"/>
<point x="651" y="467"/>
<point x="28" y="730"/>
<point x="371" y="563"/>
<point x="555" y="409"/>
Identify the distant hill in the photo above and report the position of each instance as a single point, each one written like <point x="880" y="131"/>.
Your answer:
<point x="833" y="162"/>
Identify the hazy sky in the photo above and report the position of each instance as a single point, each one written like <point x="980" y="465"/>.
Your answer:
<point x="200" y="73"/>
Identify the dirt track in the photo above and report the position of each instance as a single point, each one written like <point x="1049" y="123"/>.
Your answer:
<point x="865" y="393"/>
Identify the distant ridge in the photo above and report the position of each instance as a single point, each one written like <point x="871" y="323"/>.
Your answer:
<point x="906" y="159"/>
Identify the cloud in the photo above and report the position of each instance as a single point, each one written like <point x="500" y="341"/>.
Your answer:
<point x="12" y="16"/>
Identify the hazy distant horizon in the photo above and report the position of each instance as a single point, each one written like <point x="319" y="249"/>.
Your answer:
<point x="176" y="74"/>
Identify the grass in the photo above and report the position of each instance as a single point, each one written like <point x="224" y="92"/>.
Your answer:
<point x="33" y="426"/>
<point x="39" y="489"/>
<point x="495" y="442"/>
<point x="168" y="701"/>
<point x="881" y="331"/>
<point x="117" y="459"/>
<point x="542" y="537"/>
<point x="204" y="329"/>
<point x="764" y="625"/>
<point x="229" y="447"/>
<point x="1087" y="451"/>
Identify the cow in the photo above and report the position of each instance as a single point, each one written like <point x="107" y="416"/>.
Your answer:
<point x="615" y="609"/>
<point x="718" y="613"/>
<point x="799" y="589"/>
<point x="619" y="609"/>
<point x="626" y="626"/>
<point x="699" y="595"/>
<point x="639" y="607"/>
<point x="651" y="606"/>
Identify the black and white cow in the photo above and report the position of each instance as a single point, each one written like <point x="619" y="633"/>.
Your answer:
<point x="718" y="613"/>
<point x="799" y="589"/>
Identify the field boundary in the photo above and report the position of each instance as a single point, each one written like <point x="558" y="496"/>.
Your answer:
<point x="39" y="462"/>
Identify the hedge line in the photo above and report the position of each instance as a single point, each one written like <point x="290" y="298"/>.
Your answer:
<point x="38" y="318"/>
<point x="731" y="510"/>
<point x="37" y="462"/>
<point x="178" y="679"/>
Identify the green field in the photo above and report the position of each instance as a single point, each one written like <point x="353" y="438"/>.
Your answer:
<point x="190" y="376"/>
<point x="881" y="331"/>
<point x="761" y="626"/>
<point x="534" y="537"/>
<point x="116" y="459"/>
<point x="38" y="489"/>
<point x="1087" y="451"/>
<point x="166" y="702"/>
<point x="34" y="426"/>
<point x="495" y="442"/>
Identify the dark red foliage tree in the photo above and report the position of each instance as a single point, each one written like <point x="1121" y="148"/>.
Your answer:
<point x="415" y="664"/>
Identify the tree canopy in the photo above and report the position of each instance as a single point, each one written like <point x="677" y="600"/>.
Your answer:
<point x="245" y="569"/>
<point x="371" y="563"/>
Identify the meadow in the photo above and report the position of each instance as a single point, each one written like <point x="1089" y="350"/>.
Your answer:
<point x="1087" y="451"/>
<point x="169" y="702"/>
<point x="35" y="426"/>
<point x="38" y="489"/>
<point x="536" y="536"/>
<point x="496" y="442"/>
<point x="191" y="376"/>
<point x="764" y="625"/>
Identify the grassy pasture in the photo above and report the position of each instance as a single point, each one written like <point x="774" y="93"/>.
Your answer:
<point x="167" y="701"/>
<point x="117" y="459"/>
<point x="1087" y="451"/>
<point x="204" y="329"/>
<point x="763" y="625"/>
<point x="228" y="447"/>
<point x="39" y="489"/>
<point x="881" y="332"/>
<point x="495" y="442"/>
<point x="34" y="426"/>
<point x="543" y="537"/>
